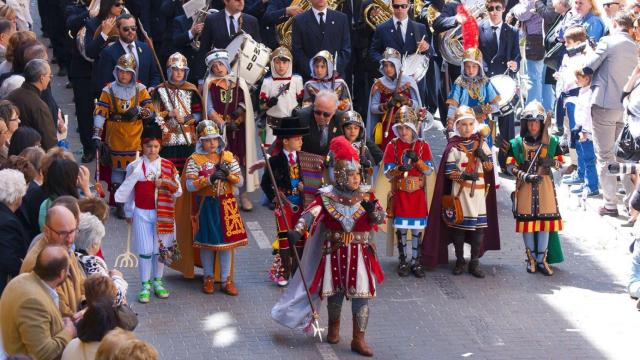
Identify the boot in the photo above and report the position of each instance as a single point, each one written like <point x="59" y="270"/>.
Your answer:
<point x="228" y="288"/>
<point x="358" y="344"/>
<point x="417" y="268"/>
<point x="207" y="285"/>
<point x="245" y="203"/>
<point x="474" y="268"/>
<point x="531" y="262"/>
<point x="403" y="267"/>
<point x="120" y="211"/>
<point x="334" y="309"/>
<point x="459" y="268"/>
<point x="544" y="266"/>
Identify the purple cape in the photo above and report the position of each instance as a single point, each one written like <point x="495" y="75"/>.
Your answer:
<point x="438" y="235"/>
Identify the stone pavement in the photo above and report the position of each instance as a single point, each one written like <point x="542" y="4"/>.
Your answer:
<point x="582" y="312"/>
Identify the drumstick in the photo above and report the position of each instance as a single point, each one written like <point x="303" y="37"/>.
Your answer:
<point x="418" y="43"/>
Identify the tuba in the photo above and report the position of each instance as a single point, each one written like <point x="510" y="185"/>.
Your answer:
<point x="451" y="47"/>
<point x="283" y="30"/>
<point x="375" y="18"/>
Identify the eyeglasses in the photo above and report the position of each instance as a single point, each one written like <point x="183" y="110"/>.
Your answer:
<point x="494" y="8"/>
<point x="323" y="113"/>
<point x="64" y="235"/>
<point x="610" y="4"/>
<point x="400" y="6"/>
<point x="129" y="28"/>
<point x="118" y="4"/>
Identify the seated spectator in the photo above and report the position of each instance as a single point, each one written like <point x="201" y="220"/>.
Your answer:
<point x="63" y="177"/>
<point x="23" y="165"/>
<point x="88" y="242"/>
<point x="60" y="229"/>
<point x="18" y="38"/>
<point x="30" y="321"/>
<point x="23" y="138"/>
<point x="100" y="318"/>
<point x="112" y="342"/>
<point x="13" y="237"/>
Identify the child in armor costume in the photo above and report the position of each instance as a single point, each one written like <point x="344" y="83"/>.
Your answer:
<point x="227" y="102"/>
<point x="465" y="173"/>
<point x="179" y="108"/>
<point x="281" y="92"/>
<point x="530" y="159"/>
<point x="149" y="192"/>
<point x="324" y="77"/>
<point x="212" y="174"/>
<point x="387" y="97"/>
<point x="339" y="258"/>
<point x="407" y="159"/>
<point x="123" y="106"/>
<point x="286" y="171"/>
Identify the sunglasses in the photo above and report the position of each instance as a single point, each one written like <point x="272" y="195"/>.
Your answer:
<point x="610" y="4"/>
<point x="118" y="4"/>
<point x="400" y="6"/>
<point x="324" y="114"/>
<point x="129" y="28"/>
<point x="494" y="8"/>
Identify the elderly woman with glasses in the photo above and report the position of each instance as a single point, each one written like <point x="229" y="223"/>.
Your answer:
<point x="13" y="237"/>
<point x="91" y="231"/>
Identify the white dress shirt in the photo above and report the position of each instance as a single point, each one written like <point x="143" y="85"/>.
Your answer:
<point x="286" y="154"/>
<point x="236" y="24"/>
<point x="498" y="30"/>
<point x="403" y="25"/>
<point x="316" y="12"/>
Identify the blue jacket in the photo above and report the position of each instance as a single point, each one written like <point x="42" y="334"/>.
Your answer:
<point x="386" y="36"/>
<point x="147" y="69"/>
<point x="495" y="60"/>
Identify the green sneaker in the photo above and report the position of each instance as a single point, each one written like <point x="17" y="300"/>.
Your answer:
<point x="159" y="289"/>
<point x="145" y="293"/>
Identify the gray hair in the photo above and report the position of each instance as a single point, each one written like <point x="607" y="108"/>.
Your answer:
<point x="90" y="232"/>
<point x="624" y="20"/>
<point x="565" y="3"/>
<point x="328" y="95"/>
<point x="35" y="69"/>
<point x="12" y="186"/>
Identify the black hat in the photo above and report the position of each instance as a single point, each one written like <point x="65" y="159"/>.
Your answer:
<point x="291" y="126"/>
<point x="151" y="131"/>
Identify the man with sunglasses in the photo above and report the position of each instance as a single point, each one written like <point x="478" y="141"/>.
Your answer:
<point x="501" y="53"/>
<point x="60" y="229"/>
<point x="146" y="68"/>
<point x="324" y="123"/>
<point x="408" y="37"/>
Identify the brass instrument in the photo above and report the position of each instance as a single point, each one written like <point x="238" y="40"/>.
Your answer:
<point x="451" y="47"/>
<point x="283" y="30"/>
<point x="374" y="18"/>
<point x="198" y="19"/>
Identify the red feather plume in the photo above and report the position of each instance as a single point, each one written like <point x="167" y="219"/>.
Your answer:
<point x="342" y="149"/>
<point x="470" y="31"/>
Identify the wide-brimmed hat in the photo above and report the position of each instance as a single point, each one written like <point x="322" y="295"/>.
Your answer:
<point x="291" y="126"/>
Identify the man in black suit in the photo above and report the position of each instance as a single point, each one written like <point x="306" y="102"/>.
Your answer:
<point x="324" y="123"/>
<point x="500" y="51"/>
<point x="320" y="28"/>
<point x="183" y="32"/>
<point x="146" y="69"/>
<point x="220" y="28"/>
<point x="406" y="36"/>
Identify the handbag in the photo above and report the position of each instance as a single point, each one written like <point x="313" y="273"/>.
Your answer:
<point x="127" y="318"/>
<point x="627" y="147"/>
<point x="452" y="209"/>
<point x="553" y="56"/>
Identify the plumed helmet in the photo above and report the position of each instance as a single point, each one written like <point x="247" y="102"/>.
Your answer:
<point x="406" y="116"/>
<point x="473" y="55"/>
<point x="178" y="61"/>
<point x="127" y="62"/>
<point x="346" y="159"/>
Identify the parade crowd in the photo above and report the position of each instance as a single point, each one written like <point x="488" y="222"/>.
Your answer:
<point x="184" y="109"/>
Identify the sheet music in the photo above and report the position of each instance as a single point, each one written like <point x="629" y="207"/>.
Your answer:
<point x="191" y="7"/>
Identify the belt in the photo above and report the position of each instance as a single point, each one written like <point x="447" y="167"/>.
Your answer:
<point x="467" y="184"/>
<point x="341" y="238"/>
<point x="410" y="183"/>
<point x="120" y="118"/>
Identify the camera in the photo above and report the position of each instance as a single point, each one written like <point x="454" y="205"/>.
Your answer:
<point x="623" y="168"/>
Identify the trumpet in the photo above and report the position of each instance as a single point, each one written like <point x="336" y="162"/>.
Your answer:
<point x="198" y="18"/>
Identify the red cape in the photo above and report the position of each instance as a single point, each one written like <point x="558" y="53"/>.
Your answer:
<point x="438" y="235"/>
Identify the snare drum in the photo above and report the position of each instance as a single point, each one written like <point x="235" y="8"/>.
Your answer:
<point x="506" y="87"/>
<point x="253" y="58"/>
<point x="416" y="66"/>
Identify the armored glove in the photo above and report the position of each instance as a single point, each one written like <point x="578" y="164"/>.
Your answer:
<point x="405" y="167"/>
<point x="293" y="237"/>
<point x="369" y="206"/>
<point x="411" y="154"/>
<point x="272" y="101"/>
<point x="217" y="175"/>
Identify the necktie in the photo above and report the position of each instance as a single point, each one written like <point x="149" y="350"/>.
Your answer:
<point x="321" y="15"/>
<point x="495" y="36"/>
<point x="130" y="47"/>
<point x="292" y="161"/>
<point x="232" y="27"/>
<point x="399" y="30"/>
<point x="323" y="135"/>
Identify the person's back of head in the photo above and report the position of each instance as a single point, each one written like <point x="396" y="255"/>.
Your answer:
<point x="623" y="21"/>
<point x="23" y="138"/>
<point x="34" y="155"/>
<point x="16" y="40"/>
<point x="111" y="343"/>
<point x="60" y="179"/>
<point x="136" y="350"/>
<point x="51" y="262"/>
<point x="12" y="188"/>
<point x="19" y="55"/>
<point x="35" y="69"/>
<point x="53" y="154"/>
<point x="70" y="203"/>
<point x="97" y="321"/>
<point x="576" y="34"/>
<point x="95" y="207"/>
<point x="23" y="165"/>
<point x="98" y="287"/>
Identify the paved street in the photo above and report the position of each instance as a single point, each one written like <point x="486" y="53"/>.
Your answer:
<point x="582" y="312"/>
